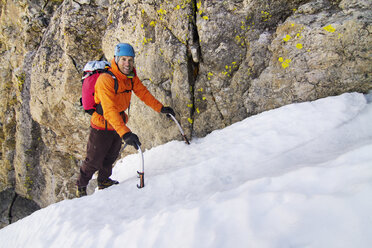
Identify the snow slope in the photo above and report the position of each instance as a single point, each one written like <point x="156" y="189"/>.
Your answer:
<point x="297" y="176"/>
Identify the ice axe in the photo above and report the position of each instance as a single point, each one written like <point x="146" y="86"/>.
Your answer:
<point x="141" y="175"/>
<point x="180" y="128"/>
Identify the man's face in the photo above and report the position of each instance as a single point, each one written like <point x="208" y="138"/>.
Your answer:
<point x="125" y="64"/>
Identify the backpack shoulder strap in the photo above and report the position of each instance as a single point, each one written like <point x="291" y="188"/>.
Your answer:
<point x="116" y="86"/>
<point x="131" y="76"/>
<point x="131" y="80"/>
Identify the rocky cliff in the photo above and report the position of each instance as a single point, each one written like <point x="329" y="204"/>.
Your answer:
<point x="215" y="62"/>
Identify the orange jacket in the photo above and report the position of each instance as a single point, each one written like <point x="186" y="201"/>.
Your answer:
<point x="113" y="104"/>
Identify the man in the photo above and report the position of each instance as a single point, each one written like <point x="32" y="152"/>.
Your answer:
<point x="109" y="128"/>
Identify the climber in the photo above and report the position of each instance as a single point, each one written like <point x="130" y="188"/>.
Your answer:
<point x="108" y="129"/>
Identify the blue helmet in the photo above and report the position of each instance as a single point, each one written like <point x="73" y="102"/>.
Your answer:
<point x="124" y="49"/>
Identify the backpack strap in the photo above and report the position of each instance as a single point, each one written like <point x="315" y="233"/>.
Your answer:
<point x="130" y="76"/>
<point x="131" y="80"/>
<point x="116" y="86"/>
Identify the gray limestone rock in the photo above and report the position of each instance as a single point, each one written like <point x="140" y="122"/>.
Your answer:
<point x="14" y="207"/>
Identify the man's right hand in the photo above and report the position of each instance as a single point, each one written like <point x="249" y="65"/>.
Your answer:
<point x="132" y="139"/>
<point x="167" y="111"/>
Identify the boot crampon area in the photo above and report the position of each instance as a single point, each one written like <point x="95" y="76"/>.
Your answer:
<point x="107" y="183"/>
<point x="81" y="191"/>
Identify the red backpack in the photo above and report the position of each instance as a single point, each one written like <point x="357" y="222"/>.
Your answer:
<point x="92" y="70"/>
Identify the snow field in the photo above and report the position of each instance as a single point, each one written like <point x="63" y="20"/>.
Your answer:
<point x="297" y="176"/>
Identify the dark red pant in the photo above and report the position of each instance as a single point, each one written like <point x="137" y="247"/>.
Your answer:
<point x="102" y="151"/>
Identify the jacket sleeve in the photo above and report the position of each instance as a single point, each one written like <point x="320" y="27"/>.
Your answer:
<point x="105" y="94"/>
<point x="144" y="94"/>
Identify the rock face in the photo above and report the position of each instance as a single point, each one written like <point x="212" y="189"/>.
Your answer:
<point x="14" y="207"/>
<point x="214" y="62"/>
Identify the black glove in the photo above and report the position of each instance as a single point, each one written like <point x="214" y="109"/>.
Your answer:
<point x="167" y="110"/>
<point x="132" y="139"/>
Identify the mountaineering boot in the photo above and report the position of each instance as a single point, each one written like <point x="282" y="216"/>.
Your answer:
<point x="107" y="183"/>
<point x="81" y="191"/>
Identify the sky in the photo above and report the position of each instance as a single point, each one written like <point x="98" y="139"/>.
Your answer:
<point x="296" y="176"/>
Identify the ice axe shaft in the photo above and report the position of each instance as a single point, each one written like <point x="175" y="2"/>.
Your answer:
<point x="180" y="128"/>
<point x="141" y="174"/>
